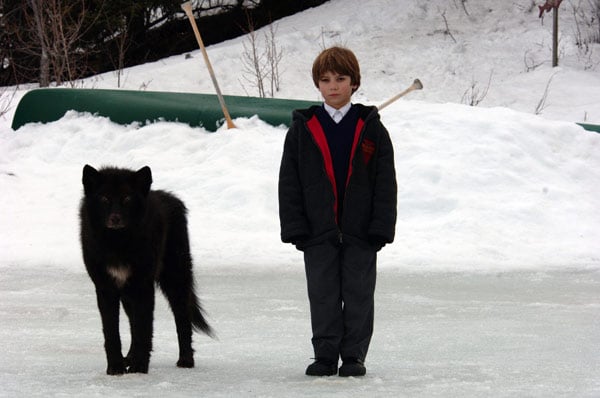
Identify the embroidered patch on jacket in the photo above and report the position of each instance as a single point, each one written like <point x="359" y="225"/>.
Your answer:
<point x="368" y="149"/>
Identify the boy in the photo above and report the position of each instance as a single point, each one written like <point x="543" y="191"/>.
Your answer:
<point x="337" y="203"/>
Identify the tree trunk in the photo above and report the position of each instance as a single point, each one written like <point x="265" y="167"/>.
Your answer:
<point x="41" y="34"/>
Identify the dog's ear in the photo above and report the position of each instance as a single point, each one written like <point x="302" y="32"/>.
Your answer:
<point x="91" y="179"/>
<point x="143" y="179"/>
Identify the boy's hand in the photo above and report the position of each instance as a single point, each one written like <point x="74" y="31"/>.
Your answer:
<point x="377" y="241"/>
<point x="298" y="239"/>
<point x="299" y="242"/>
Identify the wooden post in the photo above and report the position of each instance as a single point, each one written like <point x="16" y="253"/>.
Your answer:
<point x="546" y="7"/>
<point x="555" y="36"/>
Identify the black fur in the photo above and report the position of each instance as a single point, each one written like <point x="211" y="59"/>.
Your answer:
<point x="133" y="237"/>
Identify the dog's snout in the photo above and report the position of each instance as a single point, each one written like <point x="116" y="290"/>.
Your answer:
<point x="115" y="221"/>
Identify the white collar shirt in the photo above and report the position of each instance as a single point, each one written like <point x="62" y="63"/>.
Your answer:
<point x="337" y="114"/>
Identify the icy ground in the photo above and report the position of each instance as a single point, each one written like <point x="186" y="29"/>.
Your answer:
<point x="491" y="288"/>
<point x="517" y="334"/>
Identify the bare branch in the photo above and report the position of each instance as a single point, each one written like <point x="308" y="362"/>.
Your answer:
<point x="259" y="65"/>
<point x="252" y="60"/>
<point x="447" y="31"/>
<point x="274" y="57"/>
<point x="542" y="102"/>
<point x="464" y="6"/>
<point x="6" y="99"/>
<point x="472" y="96"/>
<point x="530" y="63"/>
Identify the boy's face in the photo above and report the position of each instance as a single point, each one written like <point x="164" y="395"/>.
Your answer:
<point x="336" y="89"/>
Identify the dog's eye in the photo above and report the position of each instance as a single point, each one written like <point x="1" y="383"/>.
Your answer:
<point x="104" y="199"/>
<point x="127" y="200"/>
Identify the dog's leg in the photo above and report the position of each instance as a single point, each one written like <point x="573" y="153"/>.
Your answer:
<point x="176" y="281"/>
<point x="140" y="301"/>
<point x="127" y="305"/>
<point x="108" y="304"/>
<point x="178" y="293"/>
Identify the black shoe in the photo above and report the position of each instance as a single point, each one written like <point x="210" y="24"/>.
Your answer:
<point x="322" y="367"/>
<point x="352" y="367"/>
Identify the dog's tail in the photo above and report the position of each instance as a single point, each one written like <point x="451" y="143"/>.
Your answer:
<point x="199" y="322"/>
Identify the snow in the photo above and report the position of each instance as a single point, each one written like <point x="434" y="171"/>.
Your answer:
<point x="490" y="289"/>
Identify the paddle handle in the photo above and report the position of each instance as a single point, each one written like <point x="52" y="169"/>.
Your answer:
<point x="187" y="7"/>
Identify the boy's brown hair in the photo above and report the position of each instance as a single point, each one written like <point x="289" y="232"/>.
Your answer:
<point x="339" y="60"/>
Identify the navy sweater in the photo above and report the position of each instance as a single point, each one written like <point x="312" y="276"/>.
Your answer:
<point x="339" y="139"/>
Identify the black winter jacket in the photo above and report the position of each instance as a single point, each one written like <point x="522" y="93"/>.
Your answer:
<point x="307" y="194"/>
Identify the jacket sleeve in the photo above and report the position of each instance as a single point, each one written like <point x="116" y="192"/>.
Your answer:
<point x="292" y="217"/>
<point x="383" y="222"/>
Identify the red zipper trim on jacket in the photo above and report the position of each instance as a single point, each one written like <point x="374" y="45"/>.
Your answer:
<point x="318" y="134"/>
<point x="359" y="126"/>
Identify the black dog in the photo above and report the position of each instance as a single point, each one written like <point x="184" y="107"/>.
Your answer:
<point x="132" y="237"/>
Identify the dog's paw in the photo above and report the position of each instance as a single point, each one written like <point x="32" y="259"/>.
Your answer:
<point x="115" y="369"/>
<point x="138" y="368"/>
<point x="185" y="361"/>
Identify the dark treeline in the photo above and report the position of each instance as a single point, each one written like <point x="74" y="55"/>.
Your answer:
<point x="61" y="41"/>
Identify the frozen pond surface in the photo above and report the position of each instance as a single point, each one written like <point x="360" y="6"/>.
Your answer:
<point x="481" y="189"/>
<point x="511" y="334"/>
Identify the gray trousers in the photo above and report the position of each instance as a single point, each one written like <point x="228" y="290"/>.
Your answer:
<point x="341" y="287"/>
